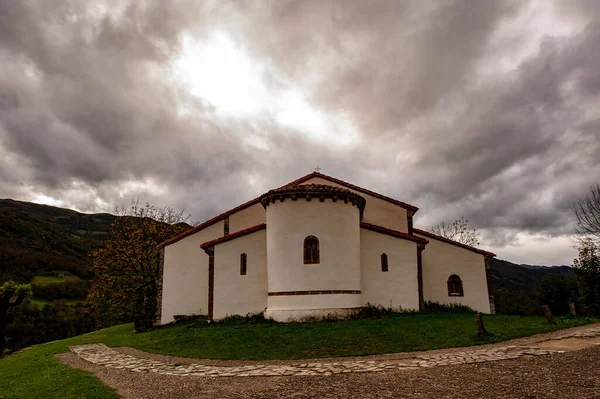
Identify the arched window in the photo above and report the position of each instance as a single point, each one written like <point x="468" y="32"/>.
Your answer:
<point x="384" y="262"/>
<point x="311" y="250"/>
<point x="455" y="286"/>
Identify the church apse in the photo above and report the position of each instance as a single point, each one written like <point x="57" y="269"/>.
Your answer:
<point x="313" y="251"/>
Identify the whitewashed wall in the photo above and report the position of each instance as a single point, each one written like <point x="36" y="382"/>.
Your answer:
<point x="398" y="287"/>
<point x="440" y="261"/>
<point x="185" y="275"/>
<point x="336" y="225"/>
<point x="249" y="217"/>
<point x="235" y="293"/>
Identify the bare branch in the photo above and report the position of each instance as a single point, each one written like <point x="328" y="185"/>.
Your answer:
<point x="458" y="230"/>
<point x="587" y="214"/>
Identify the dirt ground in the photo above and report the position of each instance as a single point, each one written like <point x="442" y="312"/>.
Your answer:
<point x="574" y="374"/>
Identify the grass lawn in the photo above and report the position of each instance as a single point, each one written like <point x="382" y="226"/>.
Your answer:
<point x="69" y="302"/>
<point x="45" y="280"/>
<point x="36" y="373"/>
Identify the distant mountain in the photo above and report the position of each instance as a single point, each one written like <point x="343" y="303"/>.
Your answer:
<point x="537" y="267"/>
<point x="526" y="278"/>
<point x="42" y="240"/>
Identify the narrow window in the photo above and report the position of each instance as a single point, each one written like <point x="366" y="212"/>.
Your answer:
<point x="455" y="286"/>
<point x="226" y="226"/>
<point x="243" y="264"/>
<point x="311" y="250"/>
<point x="384" y="262"/>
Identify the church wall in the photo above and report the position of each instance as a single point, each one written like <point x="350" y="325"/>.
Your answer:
<point x="377" y="211"/>
<point x="336" y="226"/>
<point x="440" y="261"/>
<point x="398" y="287"/>
<point x="235" y="293"/>
<point x="185" y="277"/>
<point x="251" y="216"/>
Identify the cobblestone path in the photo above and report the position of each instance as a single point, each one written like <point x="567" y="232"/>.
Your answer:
<point x="102" y="355"/>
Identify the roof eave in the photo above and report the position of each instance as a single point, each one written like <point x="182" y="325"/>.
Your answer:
<point x="458" y="244"/>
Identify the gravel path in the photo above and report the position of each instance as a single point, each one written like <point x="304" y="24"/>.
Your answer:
<point x="574" y="374"/>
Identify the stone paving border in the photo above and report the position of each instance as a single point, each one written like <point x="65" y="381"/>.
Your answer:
<point x="102" y="355"/>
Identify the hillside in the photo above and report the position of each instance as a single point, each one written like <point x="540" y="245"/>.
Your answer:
<point x="45" y="240"/>
<point x="510" y="276"/>
<point x="41" y="240"/>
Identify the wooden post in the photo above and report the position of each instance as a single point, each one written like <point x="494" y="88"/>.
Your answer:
<point x="585" y="310"/>
<point x="480" y="327"/>
<point x="548" y="314"/>
<point x="573" y="309"/>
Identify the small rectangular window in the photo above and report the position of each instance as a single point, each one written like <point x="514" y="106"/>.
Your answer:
<point x="384" y="262"/>
<point x="243" y="264"/>
<point x="226" y="226"/>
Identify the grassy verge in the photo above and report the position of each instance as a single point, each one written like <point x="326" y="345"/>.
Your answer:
<point x="69" y="302"/>
<point x="36" y="373"/>
<point x="45" y="280"/>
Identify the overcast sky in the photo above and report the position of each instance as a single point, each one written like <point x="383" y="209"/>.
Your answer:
<point x="485" y="109"/>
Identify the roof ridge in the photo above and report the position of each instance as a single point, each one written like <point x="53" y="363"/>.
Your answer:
<point x="449" y="241"/>
<point x="296" y="182"/>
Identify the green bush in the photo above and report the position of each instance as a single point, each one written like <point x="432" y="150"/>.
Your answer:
<point x="29" y="324"/>
<point x="436" y="307"/>
<point x="250" y="318"/>
<point x="516" y="303"/>
<point x="370" y="311"/>
<point x="557" y="291"/>
<point x="61" y="290"/>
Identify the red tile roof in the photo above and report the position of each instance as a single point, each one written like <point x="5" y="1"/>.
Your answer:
<point x="449" y="241"/>
<point x="208" y="223"/>
<point x="393" y="233"/>
<point x="320" y="191"/>
<point x="353" y="187"/>
<point x="292" y="183"/>
<point x="233" y="236"/>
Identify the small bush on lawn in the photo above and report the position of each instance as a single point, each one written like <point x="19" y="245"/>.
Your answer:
<point x="370" y="311"/>
<point x="250" y="318"/>
<point x="436" y="307"/>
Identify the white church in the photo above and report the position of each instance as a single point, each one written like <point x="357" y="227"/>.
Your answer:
<point x="314" y="247"/>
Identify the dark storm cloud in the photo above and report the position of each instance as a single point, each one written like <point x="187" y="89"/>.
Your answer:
<point x="86" y="100"/>
<point x="399" y="75"/>
<point x="79" y="102"/>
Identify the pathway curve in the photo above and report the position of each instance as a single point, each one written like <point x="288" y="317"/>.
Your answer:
<point x="102" y="355"/>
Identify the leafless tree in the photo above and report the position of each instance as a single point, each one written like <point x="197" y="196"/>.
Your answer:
<point x="458" y="230"/>
<point x="587" y="213"/>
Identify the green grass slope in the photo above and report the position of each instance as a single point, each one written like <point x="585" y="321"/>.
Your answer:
<point x="36" y="373"/>
<point x="41" y="240"/>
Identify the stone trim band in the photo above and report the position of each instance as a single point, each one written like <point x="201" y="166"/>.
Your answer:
<point x="325" y="292"/>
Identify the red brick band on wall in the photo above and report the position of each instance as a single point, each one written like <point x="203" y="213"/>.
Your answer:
<point x="326" y="292"/>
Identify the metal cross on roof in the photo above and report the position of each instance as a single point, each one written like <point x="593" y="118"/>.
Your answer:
<point x="317" y="169"/>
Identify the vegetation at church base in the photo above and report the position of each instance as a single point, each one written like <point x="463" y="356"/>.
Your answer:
<point x="36" y="373"/>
